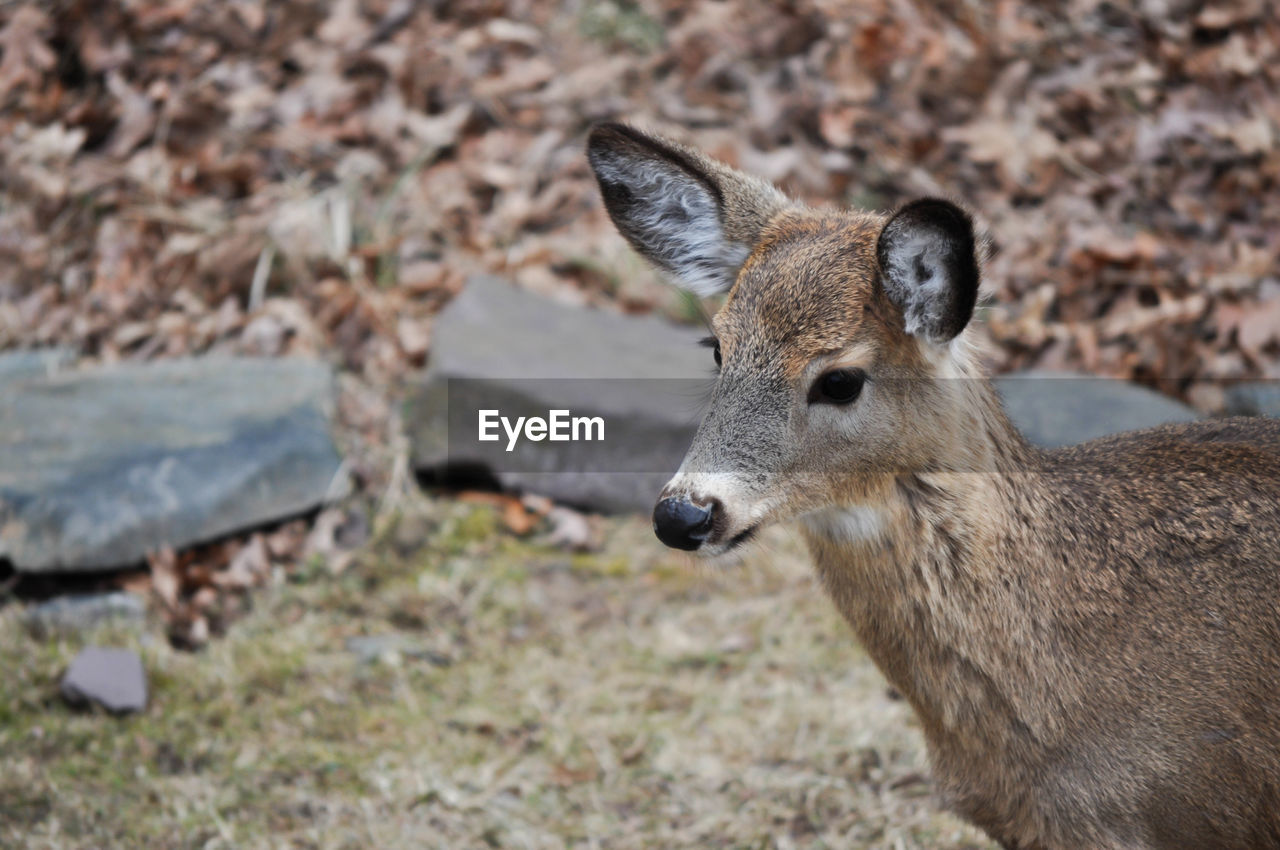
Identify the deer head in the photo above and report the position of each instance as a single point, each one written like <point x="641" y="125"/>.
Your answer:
<point x="836" y="344"/>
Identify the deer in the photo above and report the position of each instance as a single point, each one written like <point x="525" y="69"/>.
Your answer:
<point x="1089" y="636"/>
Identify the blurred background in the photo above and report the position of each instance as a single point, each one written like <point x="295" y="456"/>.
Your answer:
<point x="313" y="183"/>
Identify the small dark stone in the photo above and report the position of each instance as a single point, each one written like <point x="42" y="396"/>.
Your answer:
<point x="112" y="678"/>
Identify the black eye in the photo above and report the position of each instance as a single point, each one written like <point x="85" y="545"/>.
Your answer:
<point x="839" y="387"/>
<point x="714" y="344"/>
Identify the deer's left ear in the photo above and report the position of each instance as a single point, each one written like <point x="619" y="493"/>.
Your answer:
<point x="929" y="268"/>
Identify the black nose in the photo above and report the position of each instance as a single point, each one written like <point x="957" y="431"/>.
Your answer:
<point x="681" y="524"/>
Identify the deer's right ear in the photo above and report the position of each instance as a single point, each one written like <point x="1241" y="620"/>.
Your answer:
<point x="693" y="218"/>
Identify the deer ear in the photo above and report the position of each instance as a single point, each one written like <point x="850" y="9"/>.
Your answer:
<point x="693" y="218"/>
<point x="929" y="268"/>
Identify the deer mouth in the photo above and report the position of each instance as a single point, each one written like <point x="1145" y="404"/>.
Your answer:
<point x="741" y="537"/>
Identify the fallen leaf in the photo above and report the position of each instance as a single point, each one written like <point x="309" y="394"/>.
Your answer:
<point x="249" y="567"/>
<point x="137" y="116"/>
<point x="25" y="55"/>
<point x="166" y="583"/>
<point x="571" y="530"/>
<point x="515" y="517"/>
<point x="1259" y="327"/>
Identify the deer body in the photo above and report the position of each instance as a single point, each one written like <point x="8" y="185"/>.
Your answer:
<point x="1085" y="678"/>
<point x="1089" y="636"/>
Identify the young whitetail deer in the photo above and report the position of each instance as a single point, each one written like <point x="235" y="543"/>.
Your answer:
<point x="1090" y="636"/>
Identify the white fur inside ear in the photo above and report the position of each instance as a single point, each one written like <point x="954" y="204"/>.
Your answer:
<point x="675" y="219"/>
<point x="918" y="280"/>
<point x="929" y="268"/>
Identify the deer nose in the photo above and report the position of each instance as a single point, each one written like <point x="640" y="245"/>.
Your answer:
<point x="681" y="524"/>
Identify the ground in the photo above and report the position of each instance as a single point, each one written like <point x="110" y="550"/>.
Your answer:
<point x="625" y="699"/>
<point x="316" y="178"/>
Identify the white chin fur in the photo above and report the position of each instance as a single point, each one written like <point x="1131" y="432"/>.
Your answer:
<point x="719" y="556"/>
<point x="846" y="524"/>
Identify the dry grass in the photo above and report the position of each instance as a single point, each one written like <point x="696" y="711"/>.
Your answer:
<point x="539" y="700"/>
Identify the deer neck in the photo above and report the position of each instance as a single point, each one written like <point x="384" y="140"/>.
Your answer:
<point x="917" y="575"/>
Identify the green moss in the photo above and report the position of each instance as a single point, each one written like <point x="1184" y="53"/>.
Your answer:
<point x="620" y="23"/>
<point x="478" y="525"/>
<point x="595" y="565"/>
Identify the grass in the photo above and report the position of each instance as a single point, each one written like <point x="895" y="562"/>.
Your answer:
<point x="535" y="699"/>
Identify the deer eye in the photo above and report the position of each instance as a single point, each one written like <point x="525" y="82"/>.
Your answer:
<point x="840" y="386"/>
<point x="714" y="344"/>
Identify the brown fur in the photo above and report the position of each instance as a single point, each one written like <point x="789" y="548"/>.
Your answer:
<point x="1090" y="636"/>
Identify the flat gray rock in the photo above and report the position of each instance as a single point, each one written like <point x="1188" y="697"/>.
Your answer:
<point x="1254" y="398"/>
<point x="499" y="347"/>
<point x="100" y="466"/>
<point x="40" y="362"/>
<point x="79" y="613"/>
<point x="1055" y="409"/>
<point x="112" y="678"/>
